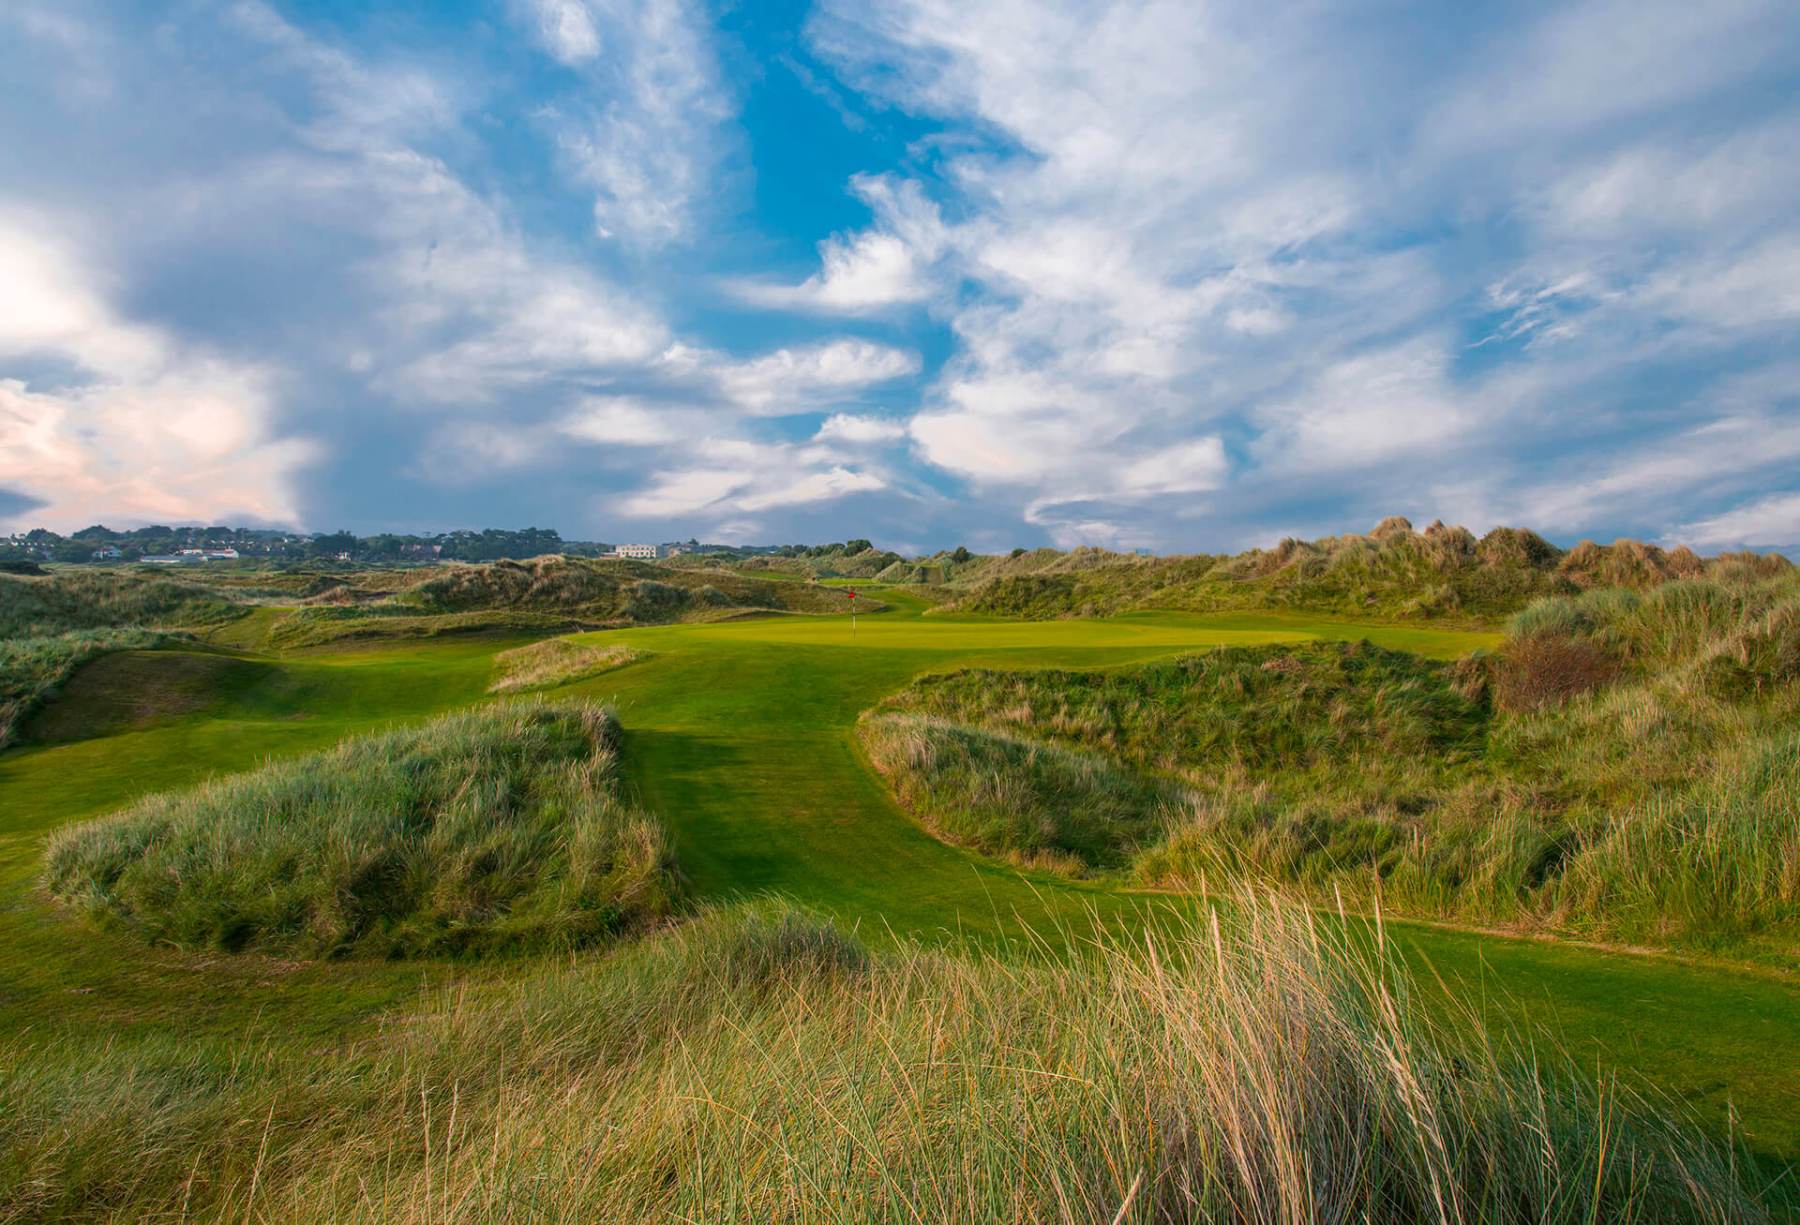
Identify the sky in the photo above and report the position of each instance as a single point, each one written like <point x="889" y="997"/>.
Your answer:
<point x="1179" y="276"/>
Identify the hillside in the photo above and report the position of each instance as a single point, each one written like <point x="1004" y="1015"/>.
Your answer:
<point x="1625" y="767"/>
<point x="546" y="595"/>
<point x="494" y="830"/>
<point x="1440" y="573"/>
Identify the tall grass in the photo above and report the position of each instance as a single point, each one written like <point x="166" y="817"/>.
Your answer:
<point x="556" y="661"/>
<point x="1441" y="572"/>
<point x="760" y="1066"/>
<point x="494" y="829"/>
<point x="32" y="668"/>
<point x="1624" y="768"/>
<point x="101" y="599"/>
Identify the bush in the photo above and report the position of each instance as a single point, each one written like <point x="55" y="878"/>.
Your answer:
<point x="1549" y="669"/>
<point x="494" y="829"/>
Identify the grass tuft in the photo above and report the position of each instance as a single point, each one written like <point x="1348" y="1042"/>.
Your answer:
<point x="493" y="830"/>
<point x="758" y="1065"/>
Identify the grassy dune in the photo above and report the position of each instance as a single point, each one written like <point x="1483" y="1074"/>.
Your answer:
<point x="1626" y="766"/>
<point x="1440" y="573"/>
<point x="499" y="829"/>
<point x="759" y="1065"/>
<point x="105" y="599"/>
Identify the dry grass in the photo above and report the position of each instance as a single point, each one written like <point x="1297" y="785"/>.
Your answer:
<point x="760" y="1066"/>
<point x="554" y="662"/>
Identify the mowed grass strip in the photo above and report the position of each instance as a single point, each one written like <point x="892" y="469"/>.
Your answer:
<point x="489" y="830"/>
<point x="761" y="1065"/>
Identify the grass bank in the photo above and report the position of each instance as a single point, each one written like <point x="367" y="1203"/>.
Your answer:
<point x="500" y="829"/>
<point x="1625" y="767"/>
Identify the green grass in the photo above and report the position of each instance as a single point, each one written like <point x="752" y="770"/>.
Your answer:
<point x="759" y="1065"/>
<point x="741" y="737"/>
<point x="498" y="829"/>
<point x="1625" y="768"/>
<point x="33" y="668"/>
<point x="105" y="599"/>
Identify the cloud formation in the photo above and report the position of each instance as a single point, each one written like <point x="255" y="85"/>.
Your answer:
<point x="1136" y="272"/>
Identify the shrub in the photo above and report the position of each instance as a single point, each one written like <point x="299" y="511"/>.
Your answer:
<point x="1548" y="669"/>
<point x="494" y="829"/>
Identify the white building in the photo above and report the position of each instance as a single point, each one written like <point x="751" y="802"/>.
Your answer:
<point x="645" y="552"/>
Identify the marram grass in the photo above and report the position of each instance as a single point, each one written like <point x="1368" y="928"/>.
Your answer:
<point x="758" y="1065"/>
<point x="494" y="829"/>
<point x="556" y="661"/>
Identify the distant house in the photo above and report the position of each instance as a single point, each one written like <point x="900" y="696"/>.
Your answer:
<point x="109" y="553"/>
<point x="644" y="552"/>
<point x="221" y="555"/>
<point x="169" y="559"/>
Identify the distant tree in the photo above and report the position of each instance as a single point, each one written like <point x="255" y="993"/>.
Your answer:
<point x="331" y="544"/>
<point x="857" y="546"/>
<point x="960" y="555"/>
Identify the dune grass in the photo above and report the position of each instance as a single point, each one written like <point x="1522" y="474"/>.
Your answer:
<point x="554" y="662"/>
<point x="105" y="599"/>
<point x="1556" y="784"/>
<point x="499" y="829"/>
<point x="742" y="741"/>
<point x="760" y="1065"/>
<point x="1441" y="573"/>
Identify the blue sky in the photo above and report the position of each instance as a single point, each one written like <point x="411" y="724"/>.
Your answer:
<point x="1173" y="275"/>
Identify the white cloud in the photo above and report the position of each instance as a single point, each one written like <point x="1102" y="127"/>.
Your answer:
<point x="648" y="135"/>
<point x="884" y="266"/>
<point x="1772" y="521"/>
<point x="729" y="479"/>
<point x="149" y="429"/>
<point x="792" y="380"/>
<point x="631" y="421"/>
<point x="845" y="427"/>
<point x="565" y="29"/>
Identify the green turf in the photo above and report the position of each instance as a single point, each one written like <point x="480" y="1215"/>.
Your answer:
<point x="740" y="737"/>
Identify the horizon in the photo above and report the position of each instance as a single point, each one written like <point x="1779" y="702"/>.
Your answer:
<point x="1137" y="275"/>
<point x="1565" y="543"/>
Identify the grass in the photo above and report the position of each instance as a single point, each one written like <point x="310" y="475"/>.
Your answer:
<point x="1550" y="786"/>
<point x="33" y="668"/>
<point x="741" y="738"/>
<point x="493" y="830"/>
<point x="1441" y="573"/>
<point x="760" y="1065"/>
<point x="555" y="662"/>
<point x="104" y="599"/>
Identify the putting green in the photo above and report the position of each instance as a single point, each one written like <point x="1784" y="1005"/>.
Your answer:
<point x="740" y="735"/>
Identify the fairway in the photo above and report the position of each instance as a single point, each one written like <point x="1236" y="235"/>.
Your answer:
<point x="740" y="736"/>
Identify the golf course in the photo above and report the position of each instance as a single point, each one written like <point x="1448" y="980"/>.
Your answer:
<point x="740" y="736"/>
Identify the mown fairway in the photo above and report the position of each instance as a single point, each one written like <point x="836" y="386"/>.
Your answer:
<point x="740" y="736"/>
